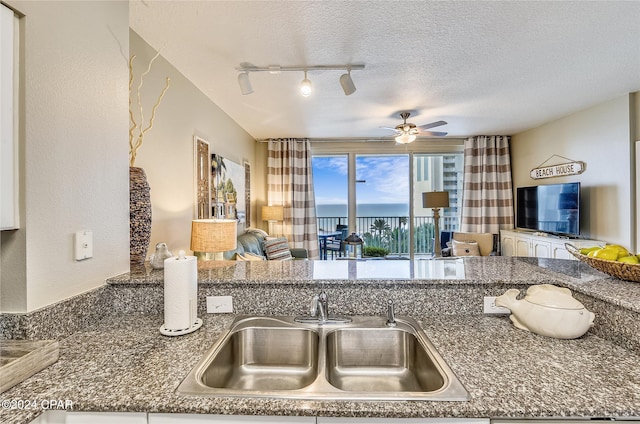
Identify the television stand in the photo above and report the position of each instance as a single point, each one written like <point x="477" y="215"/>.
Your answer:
<point x="539" y="245"/>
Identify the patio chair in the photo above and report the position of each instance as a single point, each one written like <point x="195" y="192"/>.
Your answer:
<point x="336" y="245"/>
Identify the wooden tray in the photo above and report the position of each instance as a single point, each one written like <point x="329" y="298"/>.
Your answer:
<point x="621" y="270"/>
<point x="20" y="359"/>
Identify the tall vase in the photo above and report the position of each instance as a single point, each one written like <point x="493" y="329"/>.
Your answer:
<point x="139" y="215"/>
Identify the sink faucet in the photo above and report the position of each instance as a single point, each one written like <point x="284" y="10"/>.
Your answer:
<point x="319" y="312"/>
<point x="391" y="315"/>
<point x="320" y="306"/>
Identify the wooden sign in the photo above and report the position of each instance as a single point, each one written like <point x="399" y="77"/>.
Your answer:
<point x="570" y="168"/>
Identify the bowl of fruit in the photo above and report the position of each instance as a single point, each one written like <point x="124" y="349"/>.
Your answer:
<point x="611" y="259"/>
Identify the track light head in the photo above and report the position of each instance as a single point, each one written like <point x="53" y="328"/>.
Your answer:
<point x="347" y="83"/>
<point x="306" y="86"/>
<point x="245" y="83"/>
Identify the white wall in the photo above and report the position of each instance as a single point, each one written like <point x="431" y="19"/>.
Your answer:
<point x="167" y="155"/>
<point x="74" y="169"/>
<point x="601" y="136"/>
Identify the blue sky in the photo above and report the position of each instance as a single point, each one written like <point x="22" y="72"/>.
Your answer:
<point x="386" y="179"/>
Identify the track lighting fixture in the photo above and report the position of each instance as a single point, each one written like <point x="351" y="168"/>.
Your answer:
<point x="305" y="86"/>
<point x="347" y="83"/>
<point x="245" y="84"/>
<point x="405" y="138"/>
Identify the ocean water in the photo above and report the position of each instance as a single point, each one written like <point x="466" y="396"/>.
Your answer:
<point x="364" y="210"/>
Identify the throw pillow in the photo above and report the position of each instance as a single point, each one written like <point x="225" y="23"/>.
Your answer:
<point x="248" y="256"/>
<point x="277" y="249"/>
<point x="465" y="248"/>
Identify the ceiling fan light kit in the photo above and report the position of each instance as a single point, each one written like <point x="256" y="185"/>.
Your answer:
<point x="405" y="138"/>
<point x="407" y="132"/>
<point x="305" y="86"/>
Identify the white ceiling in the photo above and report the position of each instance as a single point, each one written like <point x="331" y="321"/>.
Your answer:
<point x="486" y="67"/>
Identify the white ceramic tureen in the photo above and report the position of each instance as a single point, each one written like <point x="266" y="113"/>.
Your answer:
<point x="547" y="310"/>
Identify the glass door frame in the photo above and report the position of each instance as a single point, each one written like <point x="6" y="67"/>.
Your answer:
<point x="352" y="148"/>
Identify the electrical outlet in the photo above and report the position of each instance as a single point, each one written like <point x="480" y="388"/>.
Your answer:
<point x="491" y="308"/>
<point x="219" y="304"/>
<point x="83" y="245"/>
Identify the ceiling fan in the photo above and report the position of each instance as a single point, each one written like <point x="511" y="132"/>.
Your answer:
<point x="407" y="132"/>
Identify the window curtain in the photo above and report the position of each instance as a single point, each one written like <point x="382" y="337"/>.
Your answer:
<point x="487" y="204"/>
<point x="290" y="184"/>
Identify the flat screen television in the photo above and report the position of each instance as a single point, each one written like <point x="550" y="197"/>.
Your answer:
<point x="551" y="208"/>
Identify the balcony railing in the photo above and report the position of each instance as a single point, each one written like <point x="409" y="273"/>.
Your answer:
<point x="392" y="232"/>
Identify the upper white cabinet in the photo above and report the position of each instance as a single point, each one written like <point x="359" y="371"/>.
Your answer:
<point x="522" y="243"/>
<point x="8" y="119"/>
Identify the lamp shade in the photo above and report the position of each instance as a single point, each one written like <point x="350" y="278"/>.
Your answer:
<point x="272" y="213"/>
<point x="435" y="199"/>
<point x="213" y="235"/>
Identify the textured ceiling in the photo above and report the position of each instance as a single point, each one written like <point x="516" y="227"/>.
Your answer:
<point x="485" y="67"/>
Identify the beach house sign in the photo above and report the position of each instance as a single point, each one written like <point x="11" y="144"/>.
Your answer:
<point x="560" y="170"/>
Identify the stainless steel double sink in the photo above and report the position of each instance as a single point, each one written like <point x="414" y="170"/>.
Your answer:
<point x="263" y="356"/>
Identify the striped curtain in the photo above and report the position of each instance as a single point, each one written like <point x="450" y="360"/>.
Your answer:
<point x="290" y="184"/>
<point x="487" y="196"/>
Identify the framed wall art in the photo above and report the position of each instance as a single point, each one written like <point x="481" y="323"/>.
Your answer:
<point x="202" y="176"/>
<point x="227" y="189"/>
<point x="247" y="191"/>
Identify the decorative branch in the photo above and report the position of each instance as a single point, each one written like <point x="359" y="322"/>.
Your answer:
<point x="136" y="140"/>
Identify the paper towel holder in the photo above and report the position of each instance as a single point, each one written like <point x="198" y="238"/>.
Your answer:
<point x="165" y="331"/>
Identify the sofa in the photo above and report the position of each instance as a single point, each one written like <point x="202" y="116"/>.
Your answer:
<point x="251" y="246"/>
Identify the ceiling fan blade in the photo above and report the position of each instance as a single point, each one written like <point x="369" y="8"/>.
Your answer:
<point x="432" y="125"/>
<point x="389" y="128"/>
<point x="433" y="133"/>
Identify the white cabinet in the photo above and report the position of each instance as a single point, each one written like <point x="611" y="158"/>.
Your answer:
<point x="157" y="418"/>
<point x="539" y="245"/>
<point x="327" y="420"/>
<point x="66" y="417"/>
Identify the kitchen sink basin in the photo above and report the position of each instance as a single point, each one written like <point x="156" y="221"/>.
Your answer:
<point x="261" y="356"/>
<point x="369" y="360"/>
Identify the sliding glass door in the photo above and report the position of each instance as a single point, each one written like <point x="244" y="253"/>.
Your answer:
<point x="382" y="203"/>
<point x="379" y="197"/>
<point x="439" y="172"/>
<point x="330" y="185"/>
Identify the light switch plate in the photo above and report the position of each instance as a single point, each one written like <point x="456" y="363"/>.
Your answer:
<point x="219" y="304"/>
<point x="83" y="245"/>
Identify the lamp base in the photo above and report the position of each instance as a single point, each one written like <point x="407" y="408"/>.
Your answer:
<point x="209" y="256"/>
<point x="437" y="249"/>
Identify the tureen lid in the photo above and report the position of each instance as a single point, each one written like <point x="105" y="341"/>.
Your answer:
<point x="552" y="297"/>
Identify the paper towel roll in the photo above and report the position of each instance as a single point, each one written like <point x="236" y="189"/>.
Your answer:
<point x="180" y="292"/>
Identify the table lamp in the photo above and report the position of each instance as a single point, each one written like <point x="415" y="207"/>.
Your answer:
<point x="436" y="200"/>
<point x="211" y="237"/>
<point x="272" y="214"/>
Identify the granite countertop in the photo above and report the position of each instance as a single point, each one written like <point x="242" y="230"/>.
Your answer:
<point x="492" y="270"/>
<point x="123" y="363"/>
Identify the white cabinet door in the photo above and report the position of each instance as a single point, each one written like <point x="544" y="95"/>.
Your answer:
<point x="507" y="244"/>
<point x="327" y="420"/>
<point x="64" y="417"/>
<point x="106" y="418"/>
<point x="523" y="246"/>
<point x="540" y="249"/>
<point x="225" y="419"/>
<point x="558" y="251"/>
